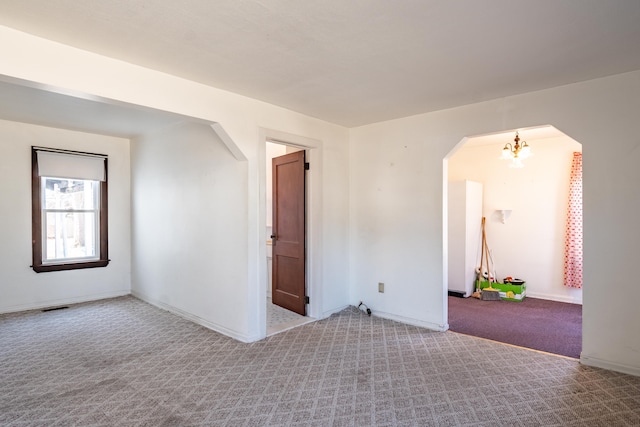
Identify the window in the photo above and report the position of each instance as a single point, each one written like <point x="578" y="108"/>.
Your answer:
<point x="69" y="209"/>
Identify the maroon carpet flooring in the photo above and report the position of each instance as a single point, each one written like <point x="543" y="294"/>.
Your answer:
<point x="554" y="327"/>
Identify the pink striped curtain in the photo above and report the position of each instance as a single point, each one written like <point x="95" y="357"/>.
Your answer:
<point x="573" y="242"/>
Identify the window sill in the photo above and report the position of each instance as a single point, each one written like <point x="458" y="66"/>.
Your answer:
<point x="42" y="268"/>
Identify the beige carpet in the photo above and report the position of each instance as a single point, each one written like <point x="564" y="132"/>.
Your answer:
<point x="122" y="362"/>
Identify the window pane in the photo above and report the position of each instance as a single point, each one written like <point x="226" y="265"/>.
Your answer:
<point x="70" y="235"/>
<point x="70" y="194"/>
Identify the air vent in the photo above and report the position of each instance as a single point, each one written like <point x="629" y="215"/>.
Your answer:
<point x="54" y="308"/>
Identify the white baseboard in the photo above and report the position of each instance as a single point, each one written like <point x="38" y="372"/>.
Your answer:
<point x="63" y="301"/>
<point x="558" y="298"/>
<point x="612" y="366"/>
<point x="410" y="321"/>
<point x="198" y="320"/>
<point x="326" y="314"/>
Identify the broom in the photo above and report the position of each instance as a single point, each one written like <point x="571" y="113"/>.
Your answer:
<point x="490" y="293"/>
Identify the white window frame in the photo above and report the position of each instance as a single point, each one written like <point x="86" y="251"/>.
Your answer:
<point x="95" y="239"/>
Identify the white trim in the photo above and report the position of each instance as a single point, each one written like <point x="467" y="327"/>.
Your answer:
<point x="228" y="142"/>
<point x="445" y="241"/>
<point x="196" y="319"/>
<point x="612" y="366"/>
<point x="284" y="138"/>
<point x="551" y="297"/>
<point x="313" y="150"/>
<point x="411" y="321"/>
<point x="64" y="301"/>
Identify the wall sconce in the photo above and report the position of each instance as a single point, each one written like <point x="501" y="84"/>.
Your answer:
<point x="516" y="152"/>
<point x="505" y="214"/>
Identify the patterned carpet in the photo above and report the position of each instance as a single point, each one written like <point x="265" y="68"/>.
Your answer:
<point x="122" y="362"/>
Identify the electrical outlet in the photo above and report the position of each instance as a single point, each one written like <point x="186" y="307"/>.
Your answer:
<point x="381" y="287"/>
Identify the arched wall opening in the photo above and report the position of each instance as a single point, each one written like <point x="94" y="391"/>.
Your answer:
<point x="528" y="242"/>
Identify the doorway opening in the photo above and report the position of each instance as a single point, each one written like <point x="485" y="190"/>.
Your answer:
<point x="286" y="224"/>
<point x="526" y="212"/>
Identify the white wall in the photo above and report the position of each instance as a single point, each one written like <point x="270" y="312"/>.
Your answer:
<point x="530" y="245"/>
<point x="396" y="201"/>
<point x="189" y="210"/>
<point x="59" y="68"/>
<point x="20" y="287"/>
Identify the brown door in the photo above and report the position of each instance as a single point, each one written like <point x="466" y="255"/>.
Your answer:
<point x="288" y="276"/>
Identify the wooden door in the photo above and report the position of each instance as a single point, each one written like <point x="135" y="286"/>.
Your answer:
<point x="288" y="275"/>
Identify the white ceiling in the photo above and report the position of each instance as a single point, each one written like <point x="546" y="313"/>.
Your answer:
<point x="352" y="62"/>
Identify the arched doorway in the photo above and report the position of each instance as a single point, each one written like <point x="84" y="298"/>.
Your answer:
<point x="529" y="242"/>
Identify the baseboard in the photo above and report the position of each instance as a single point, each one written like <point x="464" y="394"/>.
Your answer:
<point x="198" y="320"/>
<point x="558" y="298"/>
<point x="611" y="366"/>
<point x="63" y="301"/>
<point x="410" y="321"/>
<point x="328" y="313"/>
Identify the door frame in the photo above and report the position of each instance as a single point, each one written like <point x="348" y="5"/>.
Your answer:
<point x="313" y="153"/>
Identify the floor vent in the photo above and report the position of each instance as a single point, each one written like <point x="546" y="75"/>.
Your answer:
<point x="456" y="294"/>
<point x="54" y="308"/>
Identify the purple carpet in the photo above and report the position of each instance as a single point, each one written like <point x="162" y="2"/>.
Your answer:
<point x="554" y="327"/>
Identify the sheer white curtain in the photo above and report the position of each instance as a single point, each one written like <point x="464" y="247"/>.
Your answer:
<point x="573" y="242"/>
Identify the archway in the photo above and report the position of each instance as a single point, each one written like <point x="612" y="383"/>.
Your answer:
<point x="529" y="244"/>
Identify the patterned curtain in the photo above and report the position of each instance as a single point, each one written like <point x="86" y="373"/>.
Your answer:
<point x="573" y="243"/>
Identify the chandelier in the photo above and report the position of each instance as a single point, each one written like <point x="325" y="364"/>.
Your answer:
<point x="516" y="152"/>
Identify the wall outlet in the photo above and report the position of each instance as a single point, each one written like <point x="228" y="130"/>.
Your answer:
<point x="381" y="287"/>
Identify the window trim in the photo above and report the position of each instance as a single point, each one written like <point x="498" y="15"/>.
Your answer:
<point x="36" y="219"/>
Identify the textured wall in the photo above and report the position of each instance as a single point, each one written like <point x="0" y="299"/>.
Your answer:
<point x="21" y="288"/>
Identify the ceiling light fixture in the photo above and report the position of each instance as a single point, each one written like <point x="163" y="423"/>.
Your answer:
<point x="516" y="152"/>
